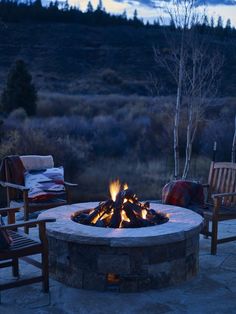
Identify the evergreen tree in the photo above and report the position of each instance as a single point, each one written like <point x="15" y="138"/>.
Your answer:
<point x="205" y="21"/>
<point x="89" y="7"/>
<point x="66" y="6"/>
<point x="212" y="23"/>
<point x="157" y="22"/>
<point x="37" y="4"/>
<point x="172" y="24"/>
<point x="19" y="90"/>
<point x="124" y="15"/>
<point x="220" y="22"/>
<point x="135" y="17"/>
<point x="228" y="24"/>
<point x="100" y="6"/>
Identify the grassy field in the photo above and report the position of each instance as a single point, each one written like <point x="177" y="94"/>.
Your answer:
<point x="103" y="137"/>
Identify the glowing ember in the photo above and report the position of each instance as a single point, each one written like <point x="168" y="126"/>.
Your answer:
<point x="123" y="210"/>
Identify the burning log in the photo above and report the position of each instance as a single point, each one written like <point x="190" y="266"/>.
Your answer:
<point x="129" y="210"/>
<point x="116" y="217"/>
<point x="98" y="211"/>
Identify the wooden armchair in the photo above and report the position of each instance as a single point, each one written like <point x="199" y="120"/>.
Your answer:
<point x="17" y="194"/>
<point x="221" y="200"/>
<point x="23" y="246"/>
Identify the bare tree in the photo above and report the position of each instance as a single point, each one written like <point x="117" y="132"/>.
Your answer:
<point x="233" y="155"/>
<point x="181" y="15"/>
<point x="201" y="85"/>
<point x="193" y="69"/>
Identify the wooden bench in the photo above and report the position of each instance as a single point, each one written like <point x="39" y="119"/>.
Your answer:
<point x="221" y="200"/>
<point x="22" y="247"/>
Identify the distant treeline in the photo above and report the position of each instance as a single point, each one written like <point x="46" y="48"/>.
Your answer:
<point x="16" y="11"/>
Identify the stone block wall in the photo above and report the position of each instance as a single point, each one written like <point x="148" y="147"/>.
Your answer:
<point x="135" y="268"/>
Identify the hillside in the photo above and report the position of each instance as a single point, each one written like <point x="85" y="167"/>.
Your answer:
<point x="77" y="59"/>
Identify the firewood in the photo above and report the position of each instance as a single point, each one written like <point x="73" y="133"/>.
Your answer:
<point x="98" y="211"/>
<point x="128" y="208"/>
<point x="146" y="205"/>
<point x="81" y="218"/>
<point x="109" y="213"/>
<point x="129" y="195"/>
<point x="116" y="217"/>
<point x="135" y="207"/>
<point x="100" y="223"/>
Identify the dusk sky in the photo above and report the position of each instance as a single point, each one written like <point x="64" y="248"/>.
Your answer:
<point x="151" y="9"/>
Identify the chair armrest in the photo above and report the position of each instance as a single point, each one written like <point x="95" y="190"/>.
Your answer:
<point x="14" y="186"/>
<point x="29" y="223"/>
<point x="68" y="184"/>
<point x="6" y="210"/>
<point x="221" y="195"/>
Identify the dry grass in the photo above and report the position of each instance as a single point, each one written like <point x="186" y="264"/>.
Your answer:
<point x="99" y="138"/>
<point x="146" y="179"/>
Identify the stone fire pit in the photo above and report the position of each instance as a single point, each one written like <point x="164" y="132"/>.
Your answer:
<point x="125" y="260"/>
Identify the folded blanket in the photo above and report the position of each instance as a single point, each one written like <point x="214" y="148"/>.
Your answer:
<point x="45" y="184"/>
<point x="183" y="193"/>
<point x="13" y="166"/>
<point x="36" y="162"/>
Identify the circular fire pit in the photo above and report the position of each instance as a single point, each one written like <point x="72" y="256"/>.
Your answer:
<point x="125" y="260"/>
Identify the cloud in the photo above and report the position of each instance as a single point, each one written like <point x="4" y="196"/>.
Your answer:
<point x="155" y="4"/>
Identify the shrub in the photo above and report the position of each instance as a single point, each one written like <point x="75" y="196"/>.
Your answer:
<point x="18" y="114"/>
<point x="111" y="77"/>
<point x="70" y="153"/>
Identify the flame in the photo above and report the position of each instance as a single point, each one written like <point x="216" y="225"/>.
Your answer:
<point x="114" y="188"/>
<point x="124" y="216"/>
<point x="144" y="213"/>
<point x="126" y="186"/>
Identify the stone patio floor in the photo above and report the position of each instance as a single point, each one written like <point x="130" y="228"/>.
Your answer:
<point x="212" y="291"/>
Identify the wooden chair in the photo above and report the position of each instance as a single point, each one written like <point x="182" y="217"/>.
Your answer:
<point x="23" y="246"/>
<point x="17" y="195"/>
<point x="221" y="200"/>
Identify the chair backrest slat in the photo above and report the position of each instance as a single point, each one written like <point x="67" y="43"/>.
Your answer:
<point x="222" y="179"/>
<point x="219" y="180"/>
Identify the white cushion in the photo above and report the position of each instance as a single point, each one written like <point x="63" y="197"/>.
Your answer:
<point x="36" y="162"/>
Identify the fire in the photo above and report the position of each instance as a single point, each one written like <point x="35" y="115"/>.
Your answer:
<point x="124" y="216"/>
<point x="144" y="213"/>
<point x="122" y="210"/>
<point x="114" y="188"/>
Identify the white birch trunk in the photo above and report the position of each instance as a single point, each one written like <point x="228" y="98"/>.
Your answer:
<point x="176" y="129"/>
<point x="177" y="107"/>
<point x="233" y="155"/>
<point x="188" y="148"/>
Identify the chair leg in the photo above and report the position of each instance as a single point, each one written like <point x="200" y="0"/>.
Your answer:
<point x="15" y="267"/>
<point x="26" y="218"/>
<point x="45" y="271"/>
<point x="214" y="236"/>
<point x="205" y="230"/>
